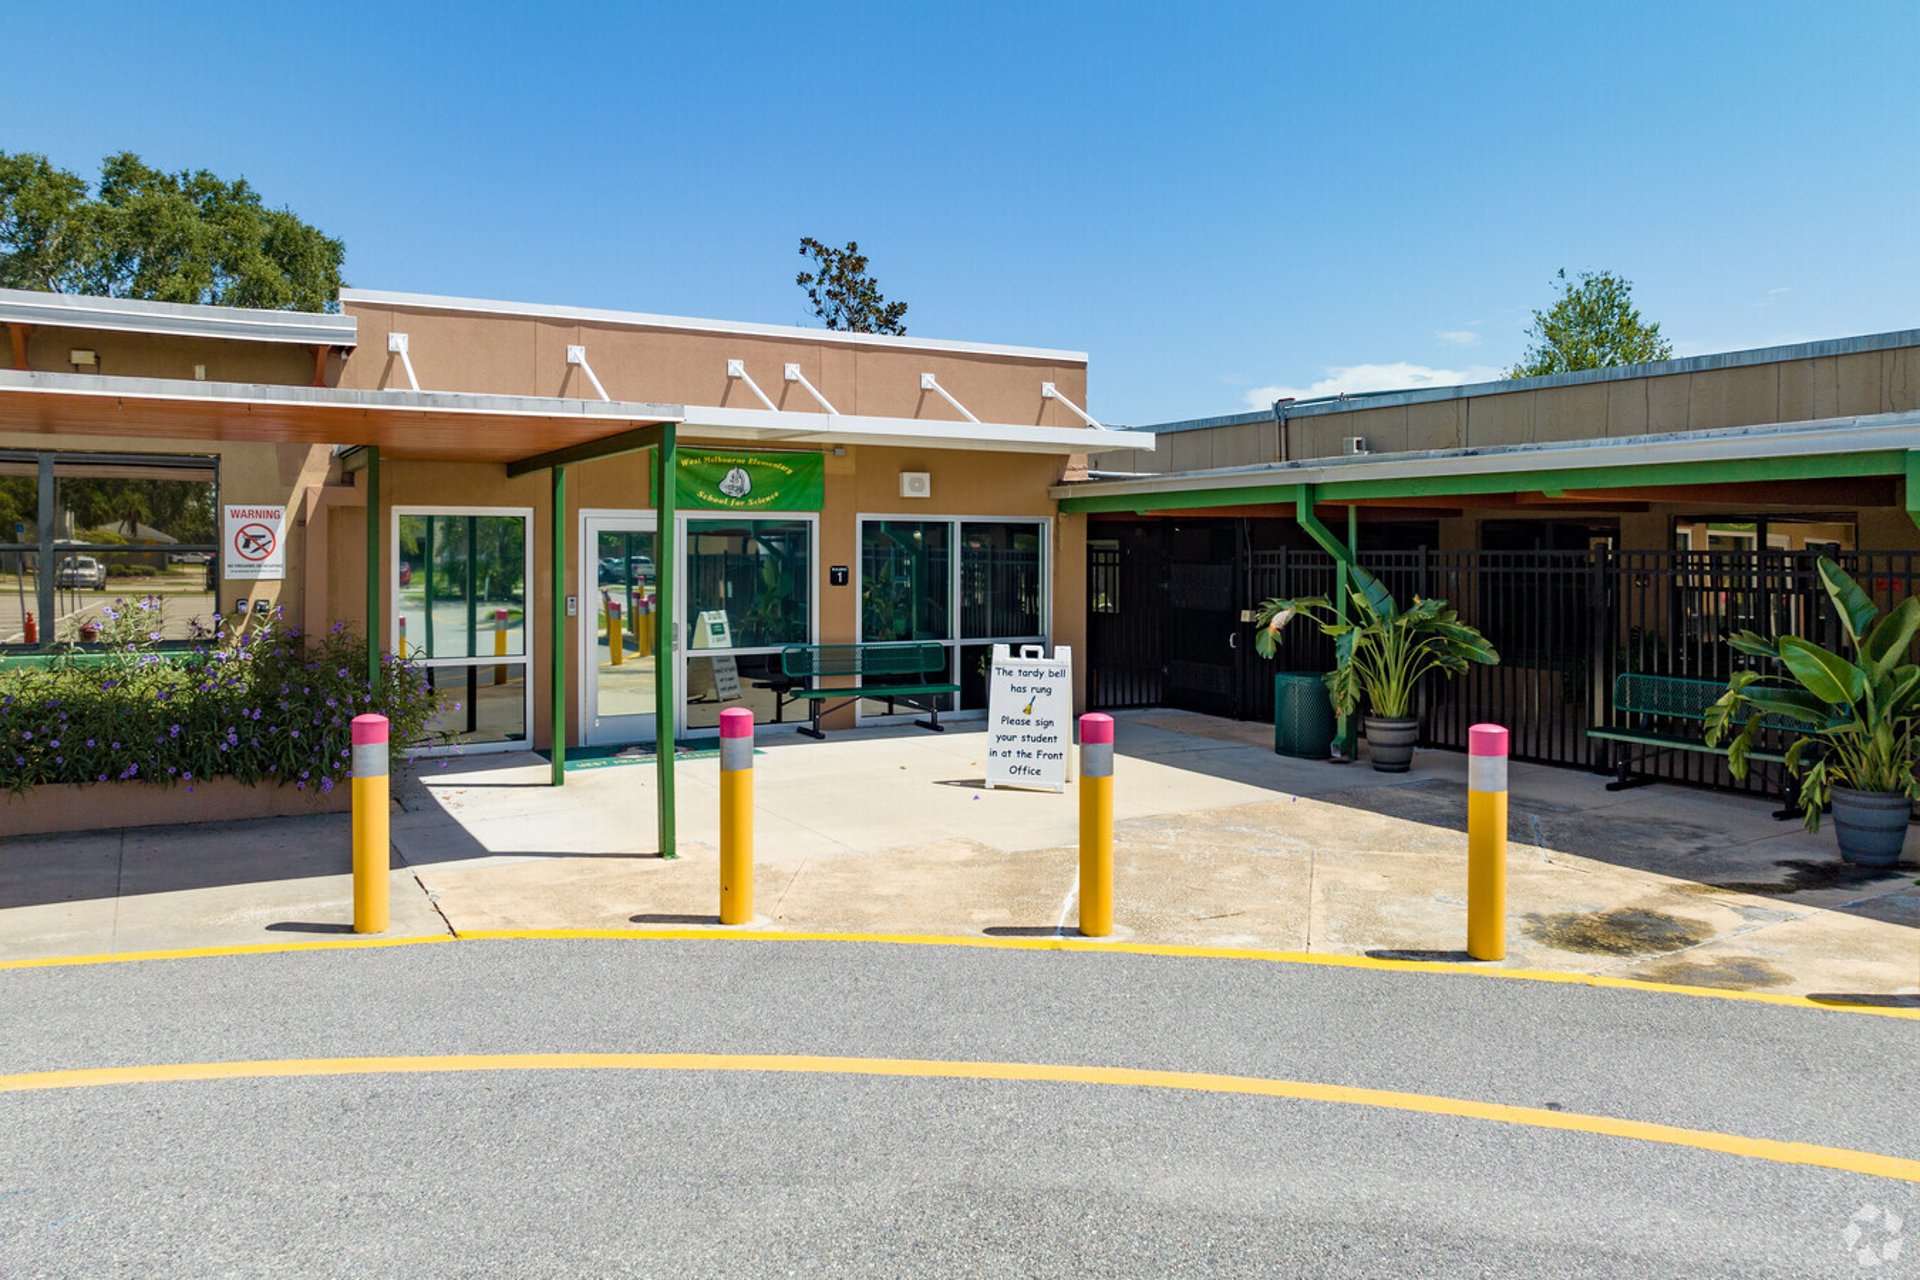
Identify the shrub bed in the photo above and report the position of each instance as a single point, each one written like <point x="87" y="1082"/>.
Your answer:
<point x="260" y="705"/>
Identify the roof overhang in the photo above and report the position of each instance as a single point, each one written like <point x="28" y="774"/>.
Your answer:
<point x="175" y="319"/>
<point x="427" y="425"/>
<point x="459" y="426"/>
<point x="763" y="426"/>
<point x="1875" y="444"/>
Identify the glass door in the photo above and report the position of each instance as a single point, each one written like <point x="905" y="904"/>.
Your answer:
<point x="619" y="626"/>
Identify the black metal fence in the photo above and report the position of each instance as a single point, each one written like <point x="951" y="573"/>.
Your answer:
<point x="1566" y="624"/>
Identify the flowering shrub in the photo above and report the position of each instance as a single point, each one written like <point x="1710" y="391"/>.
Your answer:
<point x="257" y="703"/>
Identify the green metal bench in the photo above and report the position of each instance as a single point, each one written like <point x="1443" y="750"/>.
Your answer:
<point x="884" y="672"/>
<point x="1666" y="713"/>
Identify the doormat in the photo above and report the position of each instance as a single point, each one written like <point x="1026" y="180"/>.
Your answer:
<point x="613" y="757"/>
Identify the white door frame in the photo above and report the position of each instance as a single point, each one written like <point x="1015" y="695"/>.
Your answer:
<point x="586" y="626"/>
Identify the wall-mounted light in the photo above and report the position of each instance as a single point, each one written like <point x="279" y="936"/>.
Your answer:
<point x="81" y="358"/>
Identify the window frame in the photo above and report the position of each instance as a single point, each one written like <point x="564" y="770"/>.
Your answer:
<point x="683" y="653"/>
<point x="530" y="643"/>
<point x="953" y="640"/>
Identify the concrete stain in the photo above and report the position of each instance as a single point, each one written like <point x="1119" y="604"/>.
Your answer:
<point x="1626" y="931"/>
<point x="1737" y="973"/>
<point x="1802" y="876"/>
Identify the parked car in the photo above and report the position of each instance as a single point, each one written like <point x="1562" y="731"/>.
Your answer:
<point x="406" y="574"/>
<point x="188" y="557"/>
<point x="82" y="571"/>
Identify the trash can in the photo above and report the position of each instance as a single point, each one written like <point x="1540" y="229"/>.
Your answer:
<point x="1303" y="724"/>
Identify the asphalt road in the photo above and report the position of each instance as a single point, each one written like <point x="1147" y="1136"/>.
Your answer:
<point x="745" y="1172"/>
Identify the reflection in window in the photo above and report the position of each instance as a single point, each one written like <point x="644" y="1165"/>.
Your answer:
<point x="905" y="580"/>
<point x="124" y="526"/>
<point x="462" y="585"/>
<point x="749" y="583"/>
<point x="1002" y="588"/>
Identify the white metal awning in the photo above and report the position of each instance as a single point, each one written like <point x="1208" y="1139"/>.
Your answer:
<point x="762" y="426"/>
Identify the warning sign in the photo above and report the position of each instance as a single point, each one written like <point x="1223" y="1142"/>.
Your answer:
<point x="256" y="543"/>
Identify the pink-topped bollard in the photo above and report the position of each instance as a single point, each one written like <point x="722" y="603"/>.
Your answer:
<point x="736" y="816"/>
<point x="372" y="841"/>
<point x="1096" y="825"/>
<point x="1487" y="842"/>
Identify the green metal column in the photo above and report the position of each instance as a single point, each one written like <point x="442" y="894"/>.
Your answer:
<point x="376" y="562"/>
<point x="1913" y="487"/>
<point x="666" y="632"/>
<point x="1349" y="724"/>
<point x="1347" y="740"/>
<point x="557" y="632"/>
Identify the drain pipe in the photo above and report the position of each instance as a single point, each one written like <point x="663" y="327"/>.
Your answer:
<point x="1280" y="428"/>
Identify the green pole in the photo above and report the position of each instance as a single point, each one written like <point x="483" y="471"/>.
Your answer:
<point x="557" y="637"/>
<point x="375" y="562"/>
<point x="1349" y="725"/>
<point x="666" y="632"/>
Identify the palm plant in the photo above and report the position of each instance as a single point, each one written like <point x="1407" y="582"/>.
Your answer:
<point x="1382" y="651"/>
<point x="1861" y="713"/>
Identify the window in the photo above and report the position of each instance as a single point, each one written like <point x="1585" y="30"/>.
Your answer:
<point x="111" y="526"/>
<point x="460" y="603"/>
<point x="749" y="592"/>
<point x="968" y="583"/>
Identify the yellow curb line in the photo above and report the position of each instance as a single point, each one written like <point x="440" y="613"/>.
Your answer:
<point x="999" y="944"/>
<point x="1843" y="1159"/>
<point x="247" y="949"/>
<point x="1189" y="952"/>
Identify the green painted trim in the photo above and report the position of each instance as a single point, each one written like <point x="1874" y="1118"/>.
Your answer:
<point x="376" y="563"/>
<point x="1913" y="487"/>
<point x="1625" y="476"/>
<point x="1304" y="499"/>
<point x="625" y="442"/>
<point x="666" y="632"/>
<point x="557" y="656"/>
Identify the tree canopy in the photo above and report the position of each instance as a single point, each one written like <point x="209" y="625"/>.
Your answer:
<point x="1593" y="324"/>
<point x="844" y="293"/>
<point x="167" y="237"/>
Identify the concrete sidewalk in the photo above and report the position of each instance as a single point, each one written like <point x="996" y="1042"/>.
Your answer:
<point x="1220" y="843"/>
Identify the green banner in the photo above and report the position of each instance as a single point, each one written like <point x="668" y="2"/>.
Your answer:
<point x="744" y="480"/>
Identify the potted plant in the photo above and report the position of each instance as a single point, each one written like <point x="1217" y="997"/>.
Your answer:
<point x="1381" y="653"/>
<point x="1854" y="718"/>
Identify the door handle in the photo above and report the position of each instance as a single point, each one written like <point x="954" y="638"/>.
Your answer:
<point x="1233" y="639"/>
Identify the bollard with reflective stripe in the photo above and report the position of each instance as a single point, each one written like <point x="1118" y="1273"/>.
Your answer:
<point x="1487" y="842"/>
<point x="403" y="635"/>
<point x="372" y="847"/>
<point x="614" y="640"/>
<point x="736" y="816"/>
<point x="1096" y="825"/>
<point x="500" y="644"/>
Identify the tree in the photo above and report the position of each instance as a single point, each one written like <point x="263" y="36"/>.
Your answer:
<point x="1592" y="325"/>
<point x="844" y="294"/>
<point x="168" y="237"/>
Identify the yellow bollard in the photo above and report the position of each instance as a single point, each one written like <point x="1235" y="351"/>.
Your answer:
<point x="500" y="644"/>
<point x="736" y="816"/>
<point x="1487" y="842"/>
<point x="403" y="635"/>
<point x="614" y="640"/>
<point x="372" y="845"/>
<point x="643" y="628"/>
<point x="1096" y="825"/>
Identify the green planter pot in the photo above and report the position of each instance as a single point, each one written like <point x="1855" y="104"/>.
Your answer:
<point x="1303" y="722"/>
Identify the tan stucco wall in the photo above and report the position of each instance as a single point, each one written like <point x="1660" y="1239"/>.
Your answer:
<point x="525" y="355"/>
<point x="140" y="355"/>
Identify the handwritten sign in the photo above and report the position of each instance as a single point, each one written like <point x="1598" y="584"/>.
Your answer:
<point x="1029" y="718"/>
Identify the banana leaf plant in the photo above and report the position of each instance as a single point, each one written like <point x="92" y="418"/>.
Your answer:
<point x="1855" y="717"/>
<point x="1381" y="650"/>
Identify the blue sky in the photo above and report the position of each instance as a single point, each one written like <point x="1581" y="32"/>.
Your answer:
<point x="1218" y="203"/>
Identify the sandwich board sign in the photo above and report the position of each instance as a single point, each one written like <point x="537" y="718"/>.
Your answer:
<point x="712" y="631"/>
<point x="254" y="542"/>
<point x="1029" y="718"/>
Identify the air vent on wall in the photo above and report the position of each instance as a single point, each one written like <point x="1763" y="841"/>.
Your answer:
<point x="916" y="484"/>
<point x="1354" y="445"/>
